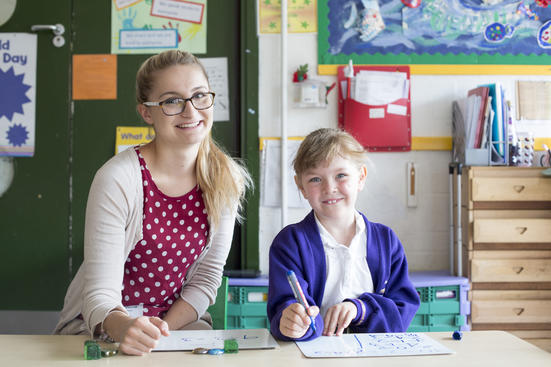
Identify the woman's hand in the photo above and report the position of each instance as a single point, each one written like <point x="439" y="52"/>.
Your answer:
<point x="137" y="336"/>
<point x="338" y="317"/>
<point x="295" y="321"/>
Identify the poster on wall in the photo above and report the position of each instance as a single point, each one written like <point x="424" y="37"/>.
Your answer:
<point x="17" y="94"/>
<point x="301" y="16"/>
<point x="153" y="26"/>
<point x="217" y="71"/>
<point x="488" y="32"/>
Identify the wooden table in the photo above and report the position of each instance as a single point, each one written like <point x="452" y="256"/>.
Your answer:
<point x="477" y="348"/>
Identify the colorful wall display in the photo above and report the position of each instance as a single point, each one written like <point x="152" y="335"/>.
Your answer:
<point x="434" y="32"/>
<point x="153" y="26"/>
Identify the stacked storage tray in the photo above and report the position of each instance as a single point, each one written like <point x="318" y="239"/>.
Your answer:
<point x="444" y="303"/>
<point x="247" y="299"/>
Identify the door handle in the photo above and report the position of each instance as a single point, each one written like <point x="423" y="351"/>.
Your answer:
<point x="57" y="29"/>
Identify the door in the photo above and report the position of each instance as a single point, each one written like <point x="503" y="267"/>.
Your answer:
<point x="34" y="211"/>
<point x="42" y="216"/>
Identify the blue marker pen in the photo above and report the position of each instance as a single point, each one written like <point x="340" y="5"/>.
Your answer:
<point x="299" y="295"/>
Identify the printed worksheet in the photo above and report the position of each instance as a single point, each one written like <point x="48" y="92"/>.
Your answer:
<point x="191" y="339"/>
<point x="372" y="345"/>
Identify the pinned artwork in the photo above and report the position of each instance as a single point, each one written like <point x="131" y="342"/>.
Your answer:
<point x="153" y="26"/>
<point x="544" y="35"/>
<point x="411" y="3"/>
<point x="435" y="32"/>
<point x="497" y="32"/>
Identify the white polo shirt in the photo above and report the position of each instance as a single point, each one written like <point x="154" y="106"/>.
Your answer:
<point x="347" y="271"/>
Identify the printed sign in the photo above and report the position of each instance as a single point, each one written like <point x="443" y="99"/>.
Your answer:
<point x="17" y="94"/>
<point x="155" y="38"/>
<point x="179" y="10"/>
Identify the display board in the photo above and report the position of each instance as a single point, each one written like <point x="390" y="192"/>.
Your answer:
<point x="436" y="32"/>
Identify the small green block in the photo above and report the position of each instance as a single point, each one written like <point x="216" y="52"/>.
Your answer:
<point x="231" y="346"/>
<point x="91" y="350"/>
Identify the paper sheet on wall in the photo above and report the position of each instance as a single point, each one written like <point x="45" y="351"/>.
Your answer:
<point x="533" y="100"/>
<point x="270" y="181"/>
<point x="377" y="88"/>
<point x="372" y="345"/>
<point x="150" y="27"/>
<point x="17" y="94"/>
<point x="302" y="16"/>
<point x="217" y="71"/>
<point x="94" y="77"/>
<point x="191" y="339"/>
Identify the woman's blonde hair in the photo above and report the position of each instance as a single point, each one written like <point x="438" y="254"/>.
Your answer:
<point x="223" y="180"/>
<point x="323" y="145"/>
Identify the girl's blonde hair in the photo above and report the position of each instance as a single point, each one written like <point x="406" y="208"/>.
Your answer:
<point x="223" y="180"/>
<point x="323" y="145"/>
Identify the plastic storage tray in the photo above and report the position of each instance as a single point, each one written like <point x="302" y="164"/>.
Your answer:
<point x="247" y="303"/>
<point x="444" y="304"/>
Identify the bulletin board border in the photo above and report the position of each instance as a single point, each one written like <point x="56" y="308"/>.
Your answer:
<point x="438" y="63"/>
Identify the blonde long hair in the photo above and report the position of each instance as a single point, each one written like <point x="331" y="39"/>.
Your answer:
<point x="223" y="180"/>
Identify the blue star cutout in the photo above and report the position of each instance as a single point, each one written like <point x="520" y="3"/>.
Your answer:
<point x="12" y="93"/>
<point x="17" y="135"/>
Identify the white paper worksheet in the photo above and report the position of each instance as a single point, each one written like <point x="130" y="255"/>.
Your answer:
<point x="191" y="339"/>
<point x="372" y="345"/>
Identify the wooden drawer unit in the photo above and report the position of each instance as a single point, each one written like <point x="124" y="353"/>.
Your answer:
<point x="506" y="247"/>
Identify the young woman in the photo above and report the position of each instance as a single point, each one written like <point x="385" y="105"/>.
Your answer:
<point x="159" y="218"/>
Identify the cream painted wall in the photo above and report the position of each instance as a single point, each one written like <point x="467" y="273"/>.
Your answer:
<point x="424" y="230"/>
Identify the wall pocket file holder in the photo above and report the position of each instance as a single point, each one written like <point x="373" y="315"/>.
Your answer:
<point x="378" y="128"/>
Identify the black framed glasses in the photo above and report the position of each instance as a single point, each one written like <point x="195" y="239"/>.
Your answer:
<point x="175" y="106"/>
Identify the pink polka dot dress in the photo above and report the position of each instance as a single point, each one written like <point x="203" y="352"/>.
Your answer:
<point x="175" y="231"/>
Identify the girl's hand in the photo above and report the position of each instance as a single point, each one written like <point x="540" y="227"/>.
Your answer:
<point x="136" y="336"/>
<point x="338" y="318"/>
<point x="295" y="321"/>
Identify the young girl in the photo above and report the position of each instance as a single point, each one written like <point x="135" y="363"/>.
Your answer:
<point x="353" y="272"/>
<point x="159" y="218"/>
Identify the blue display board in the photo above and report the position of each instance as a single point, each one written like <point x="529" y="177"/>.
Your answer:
<point x="435" y="32"/>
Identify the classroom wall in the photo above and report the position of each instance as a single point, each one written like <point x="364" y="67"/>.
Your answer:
<point x="424" y="230"/>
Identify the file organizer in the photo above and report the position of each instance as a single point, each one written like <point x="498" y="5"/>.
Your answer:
<point x="489" y="156"/>
<point x="390" y="133"/>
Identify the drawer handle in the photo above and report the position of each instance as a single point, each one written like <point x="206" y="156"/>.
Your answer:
<point x="519" y="269"/>
<point x="521" y="230"/>
<point x="519" y="188"/>
<point x="518" y="311"/>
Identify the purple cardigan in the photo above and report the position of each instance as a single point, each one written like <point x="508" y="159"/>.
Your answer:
<point x="298" y="247"/>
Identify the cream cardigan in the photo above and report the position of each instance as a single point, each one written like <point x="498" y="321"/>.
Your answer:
<point x="113" y="227"/>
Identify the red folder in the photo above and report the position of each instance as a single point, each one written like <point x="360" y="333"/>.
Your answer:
<point x="483" y="93"/>
<point x="391" y="132"/>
